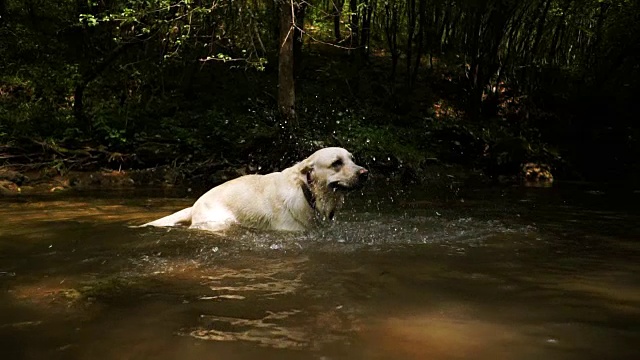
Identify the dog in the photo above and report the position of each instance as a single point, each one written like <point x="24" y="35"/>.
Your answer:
<point x="297" y="198"/>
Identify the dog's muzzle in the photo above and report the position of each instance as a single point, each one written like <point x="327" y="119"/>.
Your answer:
<point x="361" y="175"/>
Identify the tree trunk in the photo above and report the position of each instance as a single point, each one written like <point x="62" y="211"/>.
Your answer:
<point x="3" y="11"/>
<point x="286" y="86"/>
<point x="353" y="6"/>
<point x="366" y="28"/>
<point x="594" y="51"/>
<point x="337" y="14"/>
<point x="560" y="25"/>
<point x="441" y="37"/>
<point x="512" y="35"/>
<point x="411" y="27"/>
<point x="541" y="21"/>
<point x="474" y="73"/>
<point x="298" y="42"/>
<point x="391" y="33"/>
<point x="422" y="12"/>
<point x="452" y="30"/>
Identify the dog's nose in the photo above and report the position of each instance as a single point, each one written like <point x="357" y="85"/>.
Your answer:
<point x="363" y="174"/>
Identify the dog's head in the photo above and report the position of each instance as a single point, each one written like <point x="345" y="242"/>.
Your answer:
<point x="333" y="169"/>
<point x="326" y="175"/>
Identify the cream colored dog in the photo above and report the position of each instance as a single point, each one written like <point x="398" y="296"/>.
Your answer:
<point x="294" y="199"/>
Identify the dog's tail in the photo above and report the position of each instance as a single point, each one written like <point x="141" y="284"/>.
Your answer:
<point x="182" y="217"/>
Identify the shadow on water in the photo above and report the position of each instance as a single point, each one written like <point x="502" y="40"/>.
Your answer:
<point x="485" y="274"/>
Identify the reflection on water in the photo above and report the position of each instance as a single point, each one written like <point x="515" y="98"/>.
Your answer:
<point x="489" y="274"/>
<point x="264" y="331"/>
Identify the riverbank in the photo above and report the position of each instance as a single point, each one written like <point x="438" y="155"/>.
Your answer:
<point x="14" y="182"/>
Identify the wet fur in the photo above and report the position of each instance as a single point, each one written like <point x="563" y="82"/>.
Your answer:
<point x="276" y="201"/>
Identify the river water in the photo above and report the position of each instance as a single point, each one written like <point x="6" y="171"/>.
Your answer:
<point x="480" y="273"/>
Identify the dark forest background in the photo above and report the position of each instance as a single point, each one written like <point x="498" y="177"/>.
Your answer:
<point x="404" y="84"/>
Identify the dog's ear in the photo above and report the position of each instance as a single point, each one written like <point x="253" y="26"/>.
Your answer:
<point x="306" y="167"/>
<point x="306" y="171"/>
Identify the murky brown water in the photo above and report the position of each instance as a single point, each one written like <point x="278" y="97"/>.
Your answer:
<point x="504" y="274"/>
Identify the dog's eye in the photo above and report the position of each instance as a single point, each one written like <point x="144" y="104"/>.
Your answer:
<point x="336" y="164"/>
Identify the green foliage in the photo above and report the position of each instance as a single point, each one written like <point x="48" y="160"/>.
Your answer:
<point x="375" y="143"/>
<point x="182" y="74"/>
<point x="183" y="28"/>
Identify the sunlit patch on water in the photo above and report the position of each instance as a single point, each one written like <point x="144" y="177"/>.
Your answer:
<point x="51" y="293"/>
<point x="264" y="331"/>
<point x="295" y="329"/>
<point x="443" y="335"/>
<point x="234" y="284"/>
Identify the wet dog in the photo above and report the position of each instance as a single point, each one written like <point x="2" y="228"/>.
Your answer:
<point x="294" y="199"/>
